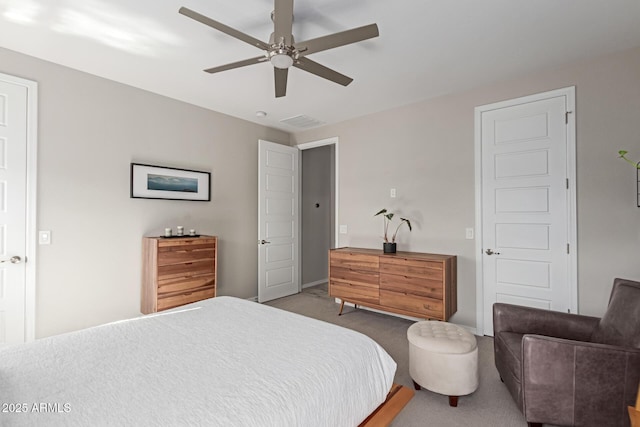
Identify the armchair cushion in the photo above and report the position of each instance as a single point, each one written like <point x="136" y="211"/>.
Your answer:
<point x="620" y="325"/>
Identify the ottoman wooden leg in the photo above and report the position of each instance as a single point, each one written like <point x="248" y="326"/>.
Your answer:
<point x="453" y="401"/>
<point x="416" y="386"/>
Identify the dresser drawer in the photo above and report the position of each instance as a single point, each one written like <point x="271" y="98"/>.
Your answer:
<point x="353" y="291"/>
<point x="412" y="285"/>
<point x="185" y="243"/>
<point x="176" y="255"/>
<point x="422" y="306"/>
<point x="366" y="278"/>
<point x="411" y="267"/>
<point x="185" y="283"/>
<point x="354" y="261"/>
<point x="185" y="269"/>
<point x="186" y="298"/>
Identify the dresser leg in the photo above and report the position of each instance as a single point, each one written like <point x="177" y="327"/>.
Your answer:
<point x="341" y="307"/>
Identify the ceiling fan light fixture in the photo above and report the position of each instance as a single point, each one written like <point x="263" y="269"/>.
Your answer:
<point x="281" y="60"/>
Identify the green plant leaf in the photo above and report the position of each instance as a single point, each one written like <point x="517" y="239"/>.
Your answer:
<point x="623" y="156"/>
<point x="408" y="223"/>
<point x="381" y="212"/>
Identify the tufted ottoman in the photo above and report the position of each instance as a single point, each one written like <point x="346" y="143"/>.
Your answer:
<point x="443" y="358"/>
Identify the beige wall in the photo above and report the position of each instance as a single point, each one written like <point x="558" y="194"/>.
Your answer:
<point x="426" y="152"/>
<point x="90" y="130"/>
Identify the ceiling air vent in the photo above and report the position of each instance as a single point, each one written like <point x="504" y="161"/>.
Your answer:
<point x="302" y="121"/>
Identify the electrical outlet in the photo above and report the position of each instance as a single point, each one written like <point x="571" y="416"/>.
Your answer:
<point x="392" y="193"/>
<point x="343" y="229"/>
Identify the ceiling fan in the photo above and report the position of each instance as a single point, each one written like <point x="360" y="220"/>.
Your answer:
<point x="283" y="51"/>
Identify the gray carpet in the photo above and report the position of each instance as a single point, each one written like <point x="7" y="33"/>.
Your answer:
<point x="490" y="405"/>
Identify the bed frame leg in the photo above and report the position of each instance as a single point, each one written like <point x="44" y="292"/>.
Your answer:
<point x="341" y="307"/>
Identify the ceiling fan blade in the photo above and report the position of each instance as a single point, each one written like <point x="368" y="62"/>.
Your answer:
<point x="282" y="21"/>
<point x="224" y="28"/>
<point x="280" y="77"/>
<point x="337" y="39"/>
<point x="238" y="64"/>
<point x="321" y="71"/>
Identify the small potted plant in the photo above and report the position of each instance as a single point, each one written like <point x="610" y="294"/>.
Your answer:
<point x="389" y="244"/>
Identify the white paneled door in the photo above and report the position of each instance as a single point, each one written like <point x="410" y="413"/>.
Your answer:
<point x="278" y="221"/>
<point x="13" y="210"/>
<point x="526" y="203"/>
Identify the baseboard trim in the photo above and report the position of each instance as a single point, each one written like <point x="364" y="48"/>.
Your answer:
<point x="317" y="282"/>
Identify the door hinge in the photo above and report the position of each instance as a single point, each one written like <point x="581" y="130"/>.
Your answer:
<point x="567" y="183"/>
<point x="568" y="248"/>
<point x="566" y="117"/>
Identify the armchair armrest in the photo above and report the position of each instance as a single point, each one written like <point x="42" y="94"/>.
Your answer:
<point x="527" y="320"/>
<point x="566" y="382"/>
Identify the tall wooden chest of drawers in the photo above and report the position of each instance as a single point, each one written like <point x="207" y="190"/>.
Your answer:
<point x="177" y="271"/>
<point x="409" y="283"/>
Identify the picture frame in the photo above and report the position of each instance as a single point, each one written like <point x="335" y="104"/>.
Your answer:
<point x="160" y="182"/>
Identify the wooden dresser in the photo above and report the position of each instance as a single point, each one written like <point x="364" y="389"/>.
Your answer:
<point x="177" y="271"/>
<point x="409" y="283"/>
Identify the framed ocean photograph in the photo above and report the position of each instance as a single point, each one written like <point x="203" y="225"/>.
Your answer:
<point x="158" y="182"/>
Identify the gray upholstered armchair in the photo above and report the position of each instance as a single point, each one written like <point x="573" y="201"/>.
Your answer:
<point x="568" y="369"/>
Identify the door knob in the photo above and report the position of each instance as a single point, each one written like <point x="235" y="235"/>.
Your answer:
<point x="491" y="252"/>
<point x="13" y="260"/>
<point x="262" y="242"/>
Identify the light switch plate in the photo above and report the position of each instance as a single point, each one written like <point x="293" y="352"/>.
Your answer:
<point x="468" y="233"/>
<point x="44" y="237"/>
<point x="392" y="193"/>
<point x="343" y="229"/>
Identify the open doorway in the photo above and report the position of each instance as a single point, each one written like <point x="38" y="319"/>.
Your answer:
<point x="318" y="211"/>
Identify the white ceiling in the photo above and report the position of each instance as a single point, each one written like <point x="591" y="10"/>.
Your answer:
<point x="426" y="48"/>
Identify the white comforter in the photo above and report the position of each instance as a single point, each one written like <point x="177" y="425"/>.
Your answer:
<point x="220" y="362"/>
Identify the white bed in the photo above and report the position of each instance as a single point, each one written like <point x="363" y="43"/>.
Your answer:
<point x="219" y="362"/>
